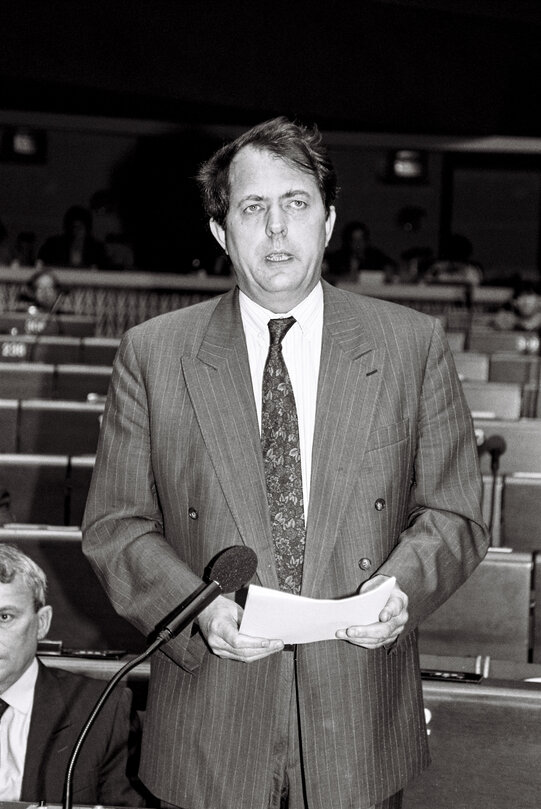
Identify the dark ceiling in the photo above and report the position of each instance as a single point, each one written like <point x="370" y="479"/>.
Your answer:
<point x="417" y="66"/>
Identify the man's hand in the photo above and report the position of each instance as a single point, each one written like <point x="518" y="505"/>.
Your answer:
<point x="392" y="620"/>
<point x="219" y="623"/>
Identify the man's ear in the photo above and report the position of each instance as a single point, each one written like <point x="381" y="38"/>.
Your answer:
<point x="45" y="615"/>
<point x="219" y="233"/>
<point x="329" y="224"/>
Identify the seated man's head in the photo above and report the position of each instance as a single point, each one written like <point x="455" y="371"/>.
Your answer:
<point x="24" y="616"/>
<point x="44" y="288"/>
<point x="526" y="299"/>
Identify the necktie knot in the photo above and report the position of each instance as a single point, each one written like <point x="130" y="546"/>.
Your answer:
<point x="278" y="328"/>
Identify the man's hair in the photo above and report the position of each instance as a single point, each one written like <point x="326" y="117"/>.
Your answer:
<point x="14" y="562"/>
<point x="298" y="145"/>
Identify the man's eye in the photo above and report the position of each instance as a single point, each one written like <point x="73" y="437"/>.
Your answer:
<point x="253" y="208"/>
<point x="298" y="204"/>
<point x="5" y="617"/>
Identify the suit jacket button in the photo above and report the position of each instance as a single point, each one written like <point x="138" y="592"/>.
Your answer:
<point x="192" y="514"/>
<point x="365" y="563"/>
<point x="380" y="504"/>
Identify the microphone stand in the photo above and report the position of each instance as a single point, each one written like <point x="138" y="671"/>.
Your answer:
<point x="494" y="469"/>
<point x="165" y="632"/>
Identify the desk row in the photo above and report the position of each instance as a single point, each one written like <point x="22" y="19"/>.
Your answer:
<point x="37" y="380"/>
<point x="49" y="426"/>
<point x="57" y="349"/>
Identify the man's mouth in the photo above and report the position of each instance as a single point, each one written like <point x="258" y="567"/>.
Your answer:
<point x="278" y="257"/>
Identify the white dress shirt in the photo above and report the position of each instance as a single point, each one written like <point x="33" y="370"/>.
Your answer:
<point x="14" y="727"/>
<point x="301" y="349"/>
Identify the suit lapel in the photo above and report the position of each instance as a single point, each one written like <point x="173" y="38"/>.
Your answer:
<point x="49" y="721"/>
<point x="220" y="387"/>
<point x="349" y="381"/>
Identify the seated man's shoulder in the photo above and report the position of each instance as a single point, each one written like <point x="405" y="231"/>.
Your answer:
<point x="82" y="690"/>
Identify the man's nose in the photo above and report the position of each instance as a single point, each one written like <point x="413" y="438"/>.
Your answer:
<point x="276" y="225"/>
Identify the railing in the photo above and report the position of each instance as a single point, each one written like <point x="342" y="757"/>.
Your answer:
<point x="119" y="300"/>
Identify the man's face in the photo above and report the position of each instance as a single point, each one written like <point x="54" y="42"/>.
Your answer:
<point x="527" y="303"/>
<point x="20" y="629"/>
<point x="276" y="229"/>
<point x="45" y="291"/>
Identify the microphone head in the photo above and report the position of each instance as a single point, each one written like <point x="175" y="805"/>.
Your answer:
<point x="233" y="568"/>
<point x="495" y="444"/>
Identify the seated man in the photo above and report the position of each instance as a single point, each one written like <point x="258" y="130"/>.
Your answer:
<point x="42" y="710"/>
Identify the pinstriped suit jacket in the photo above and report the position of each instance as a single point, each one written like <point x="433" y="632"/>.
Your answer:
<point x="180" y="437"/>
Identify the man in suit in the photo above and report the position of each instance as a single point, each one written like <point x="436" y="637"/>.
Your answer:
<point x="43" y="710"/>
<point x="381" y="480"/>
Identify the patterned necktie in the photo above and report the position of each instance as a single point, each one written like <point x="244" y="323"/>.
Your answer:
<point x="3" y="707"/>
<point x="282" y="460"/>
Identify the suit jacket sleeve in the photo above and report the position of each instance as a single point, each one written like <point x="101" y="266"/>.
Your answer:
<point x="445" y="537"/>
<point x="123" y="531"/>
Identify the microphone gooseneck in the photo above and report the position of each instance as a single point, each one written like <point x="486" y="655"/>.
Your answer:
<point x="229" y="571"/>
<point x="495" y="446"/>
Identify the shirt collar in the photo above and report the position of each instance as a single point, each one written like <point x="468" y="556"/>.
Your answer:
<point x="20" y="695"/>
<point x="307" y="313"/>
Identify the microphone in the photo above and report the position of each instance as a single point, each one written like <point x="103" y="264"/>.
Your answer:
<point x="495" y="445"/>
<point x="230" y="570"/>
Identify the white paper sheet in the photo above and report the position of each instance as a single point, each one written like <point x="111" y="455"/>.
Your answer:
<point x="276" y="615"/>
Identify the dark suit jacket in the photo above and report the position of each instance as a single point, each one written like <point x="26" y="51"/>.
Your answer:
<point x="62" y="703"/>
<point x="179" y="476"/>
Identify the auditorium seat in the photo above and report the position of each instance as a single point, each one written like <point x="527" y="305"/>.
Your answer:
<point x="521" y="511"/>
<point x="498" y="400"/>
<point x="79" y="476"/>
<point x="78" y="381"/>
<point x="511" y="367"/>
<point x="26" y="380"/>
<point x="490" y="614"/>
<point x="83" y="617"/>
<point x="8" y="425"/>
<point x="36" y="484"/>
<point x="484" y="745"/>
<point x="492" y="341"/>
<point x="58" y="426"/>
<point x="43" y="348"/>
<point x="57" y="349"/>
<point x="471" y="365"/>
<point x="17" y="348"/>
<point x="99" y="350"/>
<point x="523" y="444"/>
<point x="72" y="325"/>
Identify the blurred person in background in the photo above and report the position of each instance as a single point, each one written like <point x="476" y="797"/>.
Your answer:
<point x="355" y="254"/>
<point x="523" y="311"/>
<point x="455" y="265"/>
<point x="75" y="246"/>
